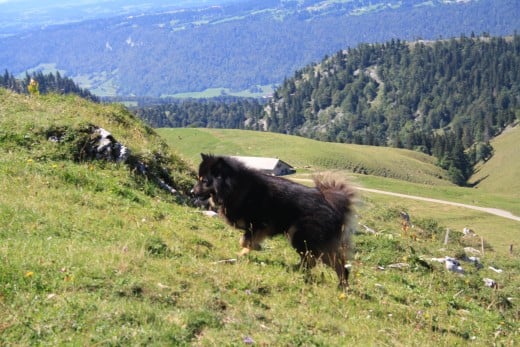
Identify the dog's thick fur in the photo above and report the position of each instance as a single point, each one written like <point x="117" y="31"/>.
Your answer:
<point x="316" y="220"/>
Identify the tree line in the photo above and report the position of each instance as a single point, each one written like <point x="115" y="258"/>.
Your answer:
<point x="46" y="83"/>
<point x="223" y="112"/>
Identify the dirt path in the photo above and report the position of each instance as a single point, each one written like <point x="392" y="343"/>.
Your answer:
<point x="495" y="211"/>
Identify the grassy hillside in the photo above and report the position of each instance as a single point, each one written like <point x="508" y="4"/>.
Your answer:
<point x="305" y="153"/>
<point x="501" y="173"/>
<point x="92" y="255"/>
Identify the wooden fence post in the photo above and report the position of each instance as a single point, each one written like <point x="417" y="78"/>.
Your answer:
<point x="447" y="236"/>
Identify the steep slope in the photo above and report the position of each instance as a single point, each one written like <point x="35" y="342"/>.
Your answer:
<point x="62" y="128"/>
<point x="500" y="174"/>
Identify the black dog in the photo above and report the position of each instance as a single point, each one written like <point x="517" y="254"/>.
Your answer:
<point x="316" y="220"/>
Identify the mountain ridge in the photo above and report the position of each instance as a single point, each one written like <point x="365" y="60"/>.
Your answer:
<point x="238" y="46"/>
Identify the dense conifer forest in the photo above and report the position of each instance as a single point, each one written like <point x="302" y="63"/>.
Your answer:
<point x="228" y="113"/>
<point x="446" y="98"/>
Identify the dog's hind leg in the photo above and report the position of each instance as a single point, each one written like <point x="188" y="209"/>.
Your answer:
<point x="336" y="260"/>
<point x="307" y="262"/>
<point x="307" y="256"/>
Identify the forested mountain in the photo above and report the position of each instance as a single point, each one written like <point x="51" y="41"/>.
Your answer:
<point x="382" y="94"/>
<point x="447" y="98"/>
<point x="240" y="45"/>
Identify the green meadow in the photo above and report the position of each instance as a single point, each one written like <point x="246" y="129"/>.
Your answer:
<point x="389" y="169"/>
<point x="93" y="254"/>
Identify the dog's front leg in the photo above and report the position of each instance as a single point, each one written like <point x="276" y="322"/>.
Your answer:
<point x="246" y="242"/>
<point x="244" y="251"/>
<point x="251" y="240"/>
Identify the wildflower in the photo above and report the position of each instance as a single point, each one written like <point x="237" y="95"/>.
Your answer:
<point x="248" y="340"/>
<point x="29" y="274"/>
<point x="34" y="87"/>
<point x="30" y="161"/>
<point x="342" y="296"/>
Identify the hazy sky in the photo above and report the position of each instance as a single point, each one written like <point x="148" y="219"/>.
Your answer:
<point x="17" y="15"/>
<point x="78" y="3"/>
<point x="14" y="6"/>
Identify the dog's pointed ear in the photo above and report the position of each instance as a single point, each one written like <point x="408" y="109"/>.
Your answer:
<point x="204" y="156"/>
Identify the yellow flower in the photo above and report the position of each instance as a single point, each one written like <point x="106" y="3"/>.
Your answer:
<point x="29" y="274"/>
<point x="342" y="296"/>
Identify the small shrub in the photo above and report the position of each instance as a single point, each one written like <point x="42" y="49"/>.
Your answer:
<point x="155" y="246"/>
<point x="429" y="228"/>
<point x="196" y="321"/>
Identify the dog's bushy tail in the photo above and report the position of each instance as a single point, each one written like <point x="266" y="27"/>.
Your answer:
<point x="342" y="196"/>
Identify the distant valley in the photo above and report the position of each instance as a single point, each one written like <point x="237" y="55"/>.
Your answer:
<point x="238" y="47"/>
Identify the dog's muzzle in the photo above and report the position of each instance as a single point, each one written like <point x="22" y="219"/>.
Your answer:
<point x="200" y="193"/>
